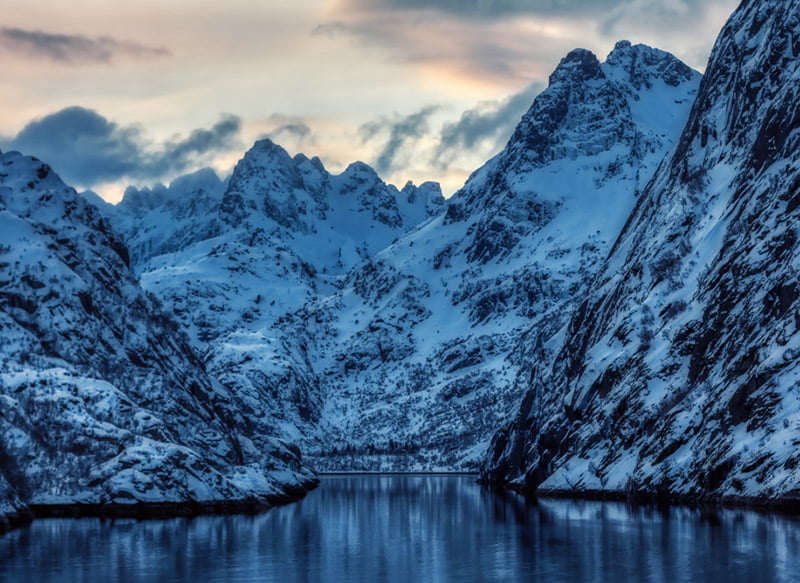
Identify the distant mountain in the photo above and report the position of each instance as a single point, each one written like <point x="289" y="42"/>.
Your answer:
<point x="159" y="220"/>
<point x="677" y="375"/>
<point x="102" y="400"/>
<point x="232" y="260"/>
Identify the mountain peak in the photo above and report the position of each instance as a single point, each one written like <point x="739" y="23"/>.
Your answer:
<point x="587" y="106"/>
<point x="362" y="171"/>
<point x="23" y="179"/>
<point x="265" y="152"/>
<point x="302" y="160"/>
<point x="640" y="65"/>
<point x="579" y="65"/>
<point x="205" y="178"/>
<point x="614" y="113"/>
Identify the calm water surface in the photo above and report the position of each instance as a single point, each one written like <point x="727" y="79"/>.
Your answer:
<point x="413" y="529"/>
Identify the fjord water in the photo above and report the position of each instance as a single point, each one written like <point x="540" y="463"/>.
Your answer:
<point x="410" y="529"/>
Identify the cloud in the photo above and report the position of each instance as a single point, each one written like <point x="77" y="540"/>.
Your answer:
<point x="178" y="154"/>
<point x="291" y="132"/>
<point x="491" y="9"/>
<point x="506" y="43"/>
<point x="639" y="14"/>
<point x="297" y="130"/>
<point x="331" y="29"/>
<point x="83" y="146"/>
<point x="479" y="132"/>
<point x="87" y="149"/>
<point x="455" y="45"/>
<point x="488" y="124"/>
<point x="401" y="131"/>
<point x="73" y="49"/>
<point x="287" y="126"/>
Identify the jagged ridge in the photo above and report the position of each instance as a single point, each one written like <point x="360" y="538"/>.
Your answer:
<point x="281" y="233"/>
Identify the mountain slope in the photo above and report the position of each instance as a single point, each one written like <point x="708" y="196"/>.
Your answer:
<point x="418" y="356"/>
<point x="102" y="401"/>
<point x="677" y="375"/>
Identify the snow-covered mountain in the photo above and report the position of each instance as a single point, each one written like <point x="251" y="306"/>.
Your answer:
<point x="102" y="400"/>
<point x="232" y="260"/>
<point x="419" y="352"/>
<point x="621" y="280"/>
<point x="678" y="374"/>
<point x="380" y="328"/>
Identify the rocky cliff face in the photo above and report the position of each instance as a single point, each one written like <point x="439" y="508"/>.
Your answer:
<point x="418" y="356"/>
<point x="13" y="512"/>
<point x="677" y="374"/>
<point x="102" y="400"/>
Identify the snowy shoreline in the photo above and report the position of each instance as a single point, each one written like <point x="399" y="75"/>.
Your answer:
<point x="778" y="505"/>
<point x="154" y="510"/>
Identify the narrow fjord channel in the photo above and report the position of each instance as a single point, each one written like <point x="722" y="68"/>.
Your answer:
<point x="403" y="528"/>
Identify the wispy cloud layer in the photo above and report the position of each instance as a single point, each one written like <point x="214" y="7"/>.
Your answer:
<point x="289" y="131"/>
<point x="488" y="125"/>
<point x="508" y="42"/>
<point x="73" y="49"/>
<point x="401" y="133"/>
<point x="403" y="141"/>
<point x="495" y="9"/>
<point x="507" y="53"/>
<point x="86" y="149"/>
<point x="491" y="9"/>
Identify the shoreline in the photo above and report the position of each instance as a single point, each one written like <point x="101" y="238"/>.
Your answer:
<point x="783" y="506"/>
<point x="188" y="509"/>
<point x="155" y="510"/>
<point x="18" y="519"/>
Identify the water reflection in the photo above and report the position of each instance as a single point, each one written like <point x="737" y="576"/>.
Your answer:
<point x="413" y="528"/>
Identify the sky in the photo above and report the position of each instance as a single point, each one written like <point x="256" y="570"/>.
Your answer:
<point x="114" y="92"/>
